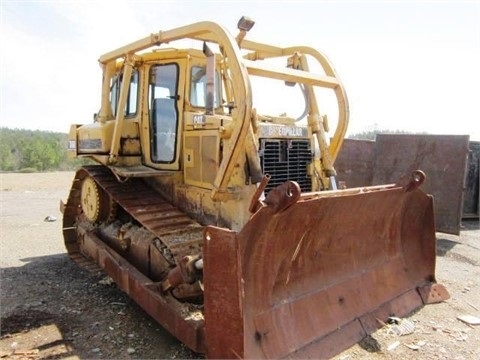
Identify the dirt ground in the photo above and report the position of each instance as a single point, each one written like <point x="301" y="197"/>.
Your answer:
<point x="52" y="309"/>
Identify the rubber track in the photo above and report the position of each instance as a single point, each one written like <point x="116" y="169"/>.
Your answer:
<point x="178" y="232"/>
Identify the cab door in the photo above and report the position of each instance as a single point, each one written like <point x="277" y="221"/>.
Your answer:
<point x="164" y="123"/>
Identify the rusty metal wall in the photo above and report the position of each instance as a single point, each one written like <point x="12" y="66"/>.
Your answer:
<point x="472" y="182"/>
<point x="354" y="163"/>
<point x="443" y="158"/>
<point x="392" y="156"/>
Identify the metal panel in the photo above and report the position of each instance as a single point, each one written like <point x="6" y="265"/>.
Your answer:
<point x="443" y="158"/>
<point x="472" y="182"/>
<point x="223" y="303"/>
<point x="201" y="157"/>
<point x="354" y="164"/>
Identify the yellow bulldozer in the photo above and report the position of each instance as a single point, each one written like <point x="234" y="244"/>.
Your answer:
<point x="224" y="223"/>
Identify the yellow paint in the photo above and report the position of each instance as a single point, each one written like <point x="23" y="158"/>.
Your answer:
<point x="210" y="157"/>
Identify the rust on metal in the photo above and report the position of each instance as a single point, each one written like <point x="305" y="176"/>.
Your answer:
<point x="416" y="179"/>
<point x="223" y="298"/>
<point x="443" y="158"/>
<point x="433" y="293"/>
<point x="256" y="203"/>
<point x="283" y="196"/>
<point x="317" y="274"/>
<point x="163" y="222"/>
<point x="354" y="164"/>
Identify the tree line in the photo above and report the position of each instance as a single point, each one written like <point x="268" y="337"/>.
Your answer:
<point x="372" y="134"/>
<point x="34" y="150"/>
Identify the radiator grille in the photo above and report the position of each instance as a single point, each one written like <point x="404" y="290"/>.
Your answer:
<point x="284" y="160"/>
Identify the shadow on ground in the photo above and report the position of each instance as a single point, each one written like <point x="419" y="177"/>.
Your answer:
<point x="51" y="305"/>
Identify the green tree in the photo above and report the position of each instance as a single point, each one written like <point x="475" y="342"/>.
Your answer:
<point x="35" y="150"/>
<point x="372" y="134"/>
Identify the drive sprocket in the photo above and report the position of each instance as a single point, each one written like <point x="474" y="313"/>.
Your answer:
<point x="97" y="205"/>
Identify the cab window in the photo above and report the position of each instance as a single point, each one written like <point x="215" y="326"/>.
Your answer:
<point x="198" y="87"/>
<point x="163" y="112"/>
<point x="132" y="97"/>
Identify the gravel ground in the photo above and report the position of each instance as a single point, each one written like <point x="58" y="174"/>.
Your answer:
<point x="51" y="309"/>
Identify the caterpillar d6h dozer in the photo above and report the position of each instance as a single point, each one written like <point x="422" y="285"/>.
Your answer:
<point x="224" y="223"/>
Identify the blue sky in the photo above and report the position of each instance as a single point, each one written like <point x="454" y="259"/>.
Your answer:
<point x="406" y="65"/>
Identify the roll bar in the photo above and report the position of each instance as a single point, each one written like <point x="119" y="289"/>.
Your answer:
<point x="240" y="66"/>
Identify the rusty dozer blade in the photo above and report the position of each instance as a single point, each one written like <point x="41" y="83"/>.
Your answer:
<point x="311" y="274"/>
